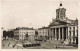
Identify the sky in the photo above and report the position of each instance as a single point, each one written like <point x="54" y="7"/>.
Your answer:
<point x="34" y="13"/>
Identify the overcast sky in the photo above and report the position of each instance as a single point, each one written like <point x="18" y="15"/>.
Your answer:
<point x="34" y="13"/>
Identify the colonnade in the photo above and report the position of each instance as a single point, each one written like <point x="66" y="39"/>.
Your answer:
<point x="59" y="33"/>
<point x="64" y="33"/>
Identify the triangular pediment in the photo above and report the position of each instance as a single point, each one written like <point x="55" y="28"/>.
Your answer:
<point x="62" y="22"/>
<point x="57" y="22"/>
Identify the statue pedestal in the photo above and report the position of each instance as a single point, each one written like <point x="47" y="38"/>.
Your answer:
<point x="66" y="41"/>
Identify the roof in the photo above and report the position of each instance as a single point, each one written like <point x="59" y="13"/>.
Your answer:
<point x="43" y="28"/>
<point x="63" y="22"/>
<point x="25" y="28"/>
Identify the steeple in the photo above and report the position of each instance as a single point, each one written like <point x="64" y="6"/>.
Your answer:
<point x="60" y="12"/>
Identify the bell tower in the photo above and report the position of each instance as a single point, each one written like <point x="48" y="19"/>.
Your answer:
<point x="60" y="12"/>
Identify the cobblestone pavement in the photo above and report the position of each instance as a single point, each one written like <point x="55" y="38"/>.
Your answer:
<point x="50" y="44"/>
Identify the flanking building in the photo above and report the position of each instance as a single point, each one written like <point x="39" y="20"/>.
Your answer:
<point x="62" y="28"/>
<point x="24" y="33"/>
<point x="44" y="31"/>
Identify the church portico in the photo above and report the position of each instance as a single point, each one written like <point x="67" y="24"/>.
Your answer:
<point x="62" y="28"/>
<point x="59" y="33"/>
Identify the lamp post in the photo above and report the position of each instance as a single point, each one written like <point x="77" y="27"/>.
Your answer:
<point x="23" y="40"/>
<point x="2" y="33"/>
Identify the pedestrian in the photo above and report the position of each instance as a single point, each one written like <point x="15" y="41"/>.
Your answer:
<point x="9" y="44"/>
<point x="63" y="44"/>
<point x="49" y="41"/>
<point x="13" y="46"/>
<point x="3" y="44"/>
<point x="17" y="47"/>
<point x="56" y="47"/>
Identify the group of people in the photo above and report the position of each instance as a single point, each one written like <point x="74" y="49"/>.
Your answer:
<point x="8" y="44"/>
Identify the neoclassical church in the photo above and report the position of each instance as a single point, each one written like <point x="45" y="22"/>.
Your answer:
<point x="62" y="28"/>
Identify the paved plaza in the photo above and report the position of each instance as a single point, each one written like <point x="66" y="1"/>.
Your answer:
<point x="50" y="44"/>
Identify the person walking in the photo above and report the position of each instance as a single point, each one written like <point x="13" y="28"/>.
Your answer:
<point x="3" y="45"/>
<point x="9" y="44"/>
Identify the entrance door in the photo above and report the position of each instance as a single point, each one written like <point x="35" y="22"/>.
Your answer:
<point x="76" y="40"/>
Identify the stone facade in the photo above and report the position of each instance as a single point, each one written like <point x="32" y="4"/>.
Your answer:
<point x="20" y="33"/>
<point x="43" y="31"/>
<point x="61" y="13"/>
<point x="62" y="28"/>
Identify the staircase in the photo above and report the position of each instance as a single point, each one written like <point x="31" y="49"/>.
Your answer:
<point x="53" y="41"/>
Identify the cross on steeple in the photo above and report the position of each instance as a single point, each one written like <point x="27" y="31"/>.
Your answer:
<point x="60" y="3"/>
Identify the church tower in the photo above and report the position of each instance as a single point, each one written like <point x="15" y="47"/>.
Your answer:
<point x="60" y="13"/>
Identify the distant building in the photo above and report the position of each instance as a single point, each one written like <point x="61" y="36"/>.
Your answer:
<point x="8" y="34"/>
<point x="62" y="28"/>
<point x="43" y="31"/>
<point x="24" y="33"/>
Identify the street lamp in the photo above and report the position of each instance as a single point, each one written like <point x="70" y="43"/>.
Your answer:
<point x="2" y="33"/>
<point x="23" y="38"/>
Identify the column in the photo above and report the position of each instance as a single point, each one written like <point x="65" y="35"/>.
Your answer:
<point x="55" y="34"/>
<point x="75" y="33"/>
<point x="66" y="33"/>
<point x="59" y="34"/>
<point x="49" y="33"/>
<point x="71" y="34"/>
<point x="52" y="33"/>
<point x="62" y="34"/>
